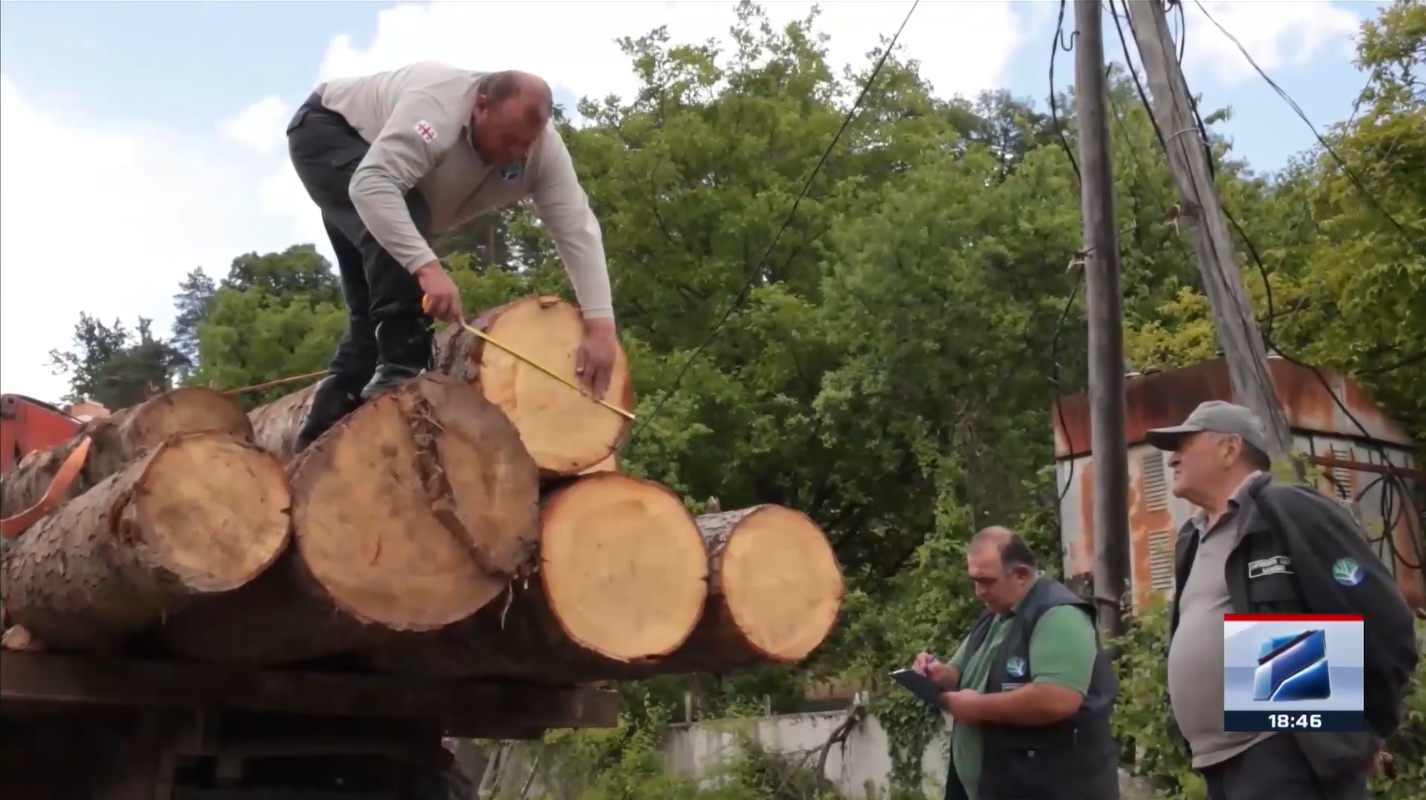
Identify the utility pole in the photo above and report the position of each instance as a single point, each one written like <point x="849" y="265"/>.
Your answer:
<point x="1106" y="322"/>
<point x="1237" y="328"/>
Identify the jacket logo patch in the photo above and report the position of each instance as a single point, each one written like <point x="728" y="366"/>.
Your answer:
<point x="1263" y="567"/>
<point x="1015" y="667"/>
<point x="1346" y="572"/>
<point x="425" y="131"/>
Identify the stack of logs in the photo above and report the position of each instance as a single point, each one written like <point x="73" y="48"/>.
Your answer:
<point x="471" y="524"/>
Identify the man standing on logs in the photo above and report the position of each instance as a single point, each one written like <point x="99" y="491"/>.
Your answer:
<point x="395" y="158"/>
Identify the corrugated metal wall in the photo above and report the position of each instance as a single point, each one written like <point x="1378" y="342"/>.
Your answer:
<point x="1386" y="501"/>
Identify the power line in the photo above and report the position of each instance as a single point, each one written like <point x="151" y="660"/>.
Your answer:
<point x="1056" y="44"/>
<point x="1351" y="174"/>
<point x="791" y="214"/>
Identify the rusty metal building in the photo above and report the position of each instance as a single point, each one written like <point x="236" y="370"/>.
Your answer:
<point x="1388" y="501"/>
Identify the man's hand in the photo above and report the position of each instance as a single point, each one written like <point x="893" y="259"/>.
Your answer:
<point x="594" y="363"/>
<point x="963" y="705"/>
<point x="1381" y="760"/>
<point x="442" y="297"/>
<point x="945" y="675"/>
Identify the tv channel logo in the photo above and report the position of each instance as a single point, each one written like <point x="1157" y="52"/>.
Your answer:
<point x="1293" y="672"/>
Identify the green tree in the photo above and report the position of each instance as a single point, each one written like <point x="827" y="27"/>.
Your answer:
<point x="115" y="366"/>
<point x="191" y="303"/>
<point x="274" y="316"/>
<point x="297" y="272"/>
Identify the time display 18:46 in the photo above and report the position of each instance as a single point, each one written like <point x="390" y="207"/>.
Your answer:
<point x="1294" y="722"/>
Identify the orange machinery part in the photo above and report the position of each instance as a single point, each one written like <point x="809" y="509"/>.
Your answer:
<point x="27" y="425"/>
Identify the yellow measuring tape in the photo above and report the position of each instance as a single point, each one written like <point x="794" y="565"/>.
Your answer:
<point x="537" y="365"/>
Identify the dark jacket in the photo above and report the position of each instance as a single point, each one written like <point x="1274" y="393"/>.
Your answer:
<point x="1076" y="759"/>
<point x="1291" y="538"/>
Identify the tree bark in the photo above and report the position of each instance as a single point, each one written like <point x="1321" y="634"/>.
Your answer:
<point x="119" y="439"/>
<point x="565" y="431"/>
<point x="411" y="514"/>
<point x="199" y="515"/>
<point x="275" y="425"/>
<point x="623" y="578"/>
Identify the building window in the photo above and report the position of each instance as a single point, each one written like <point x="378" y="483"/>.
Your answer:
<point x="1155" y="481"/>
<point x="1161" y="560"/>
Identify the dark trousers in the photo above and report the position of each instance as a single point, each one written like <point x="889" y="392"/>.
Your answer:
<point x="1276" y="769"/>
<point x="388" y="336"/>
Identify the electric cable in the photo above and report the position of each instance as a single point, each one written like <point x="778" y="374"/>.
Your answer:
<point x="1350" y="173"/>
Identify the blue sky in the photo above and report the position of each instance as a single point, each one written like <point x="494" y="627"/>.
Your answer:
<point x="170" y="113"/>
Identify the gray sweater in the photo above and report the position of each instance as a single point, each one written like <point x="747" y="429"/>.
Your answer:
<point x="417" y="120"/>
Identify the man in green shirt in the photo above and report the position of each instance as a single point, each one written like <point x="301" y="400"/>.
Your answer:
<point x="1029" y="690"/>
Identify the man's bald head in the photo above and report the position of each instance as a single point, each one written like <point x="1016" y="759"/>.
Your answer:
<point x="532" y="91"/>
<point x="511" y="111"/>
<point x="1001" y="566"/>
<point x="1007" y="544"/>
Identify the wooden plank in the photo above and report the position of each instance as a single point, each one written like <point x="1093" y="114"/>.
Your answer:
<point x="464" y="708"/>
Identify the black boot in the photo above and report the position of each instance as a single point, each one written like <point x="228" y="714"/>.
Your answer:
<point x="331" y="401"/>
<point x="404" y="345"/>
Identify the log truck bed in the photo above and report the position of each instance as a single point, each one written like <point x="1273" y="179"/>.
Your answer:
<point x="462" y="555"/>
<point x="83" y="726"/>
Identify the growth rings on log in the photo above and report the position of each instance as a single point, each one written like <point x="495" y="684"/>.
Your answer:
<point x="201" y="514"/>
<point x="565" y="430"/>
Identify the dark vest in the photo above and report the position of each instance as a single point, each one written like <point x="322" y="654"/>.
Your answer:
<point x="1076" y="759"/>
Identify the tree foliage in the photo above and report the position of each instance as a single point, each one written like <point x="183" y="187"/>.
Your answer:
<point x="885" y="356"/>
<point x="114" y="365"/>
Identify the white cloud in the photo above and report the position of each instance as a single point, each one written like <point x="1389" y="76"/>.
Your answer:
<point x="962" y="46"/>
<point x="106" y="217"/>
<point x="1277" y="33"/>
<point x="260" y="126"/>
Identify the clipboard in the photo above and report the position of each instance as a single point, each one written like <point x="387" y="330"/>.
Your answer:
<point x="921" y="686"/>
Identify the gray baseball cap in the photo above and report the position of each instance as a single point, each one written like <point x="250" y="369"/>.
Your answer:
<point x="1214" y="416"/>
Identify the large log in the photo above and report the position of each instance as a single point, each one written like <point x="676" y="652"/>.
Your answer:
<point x="117" y="440"/>
<point x="411" y="514"/>
<point x="565" y="430"/>
<point x="198" y="515"/>
<point x="774" y="598"/>
<point x="622" y="578"/>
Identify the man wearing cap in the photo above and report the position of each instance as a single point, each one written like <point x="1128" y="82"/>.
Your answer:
<point x="398" y="157"/>
<point x="1264" y="547"/>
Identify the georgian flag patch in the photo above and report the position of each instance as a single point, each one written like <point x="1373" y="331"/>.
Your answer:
<point x="426" y="131"/>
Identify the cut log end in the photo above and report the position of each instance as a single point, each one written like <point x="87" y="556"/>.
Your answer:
<point x="624" y="567"/>
<point x="781" y="583"/>
<point x="377" y="522"/>
<point x="183" y="410"/>
<point x="213" y="511"/>
<point x="565" y="431"/>
<point x="120" y="439"/>
<point x="484" y="464"/>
